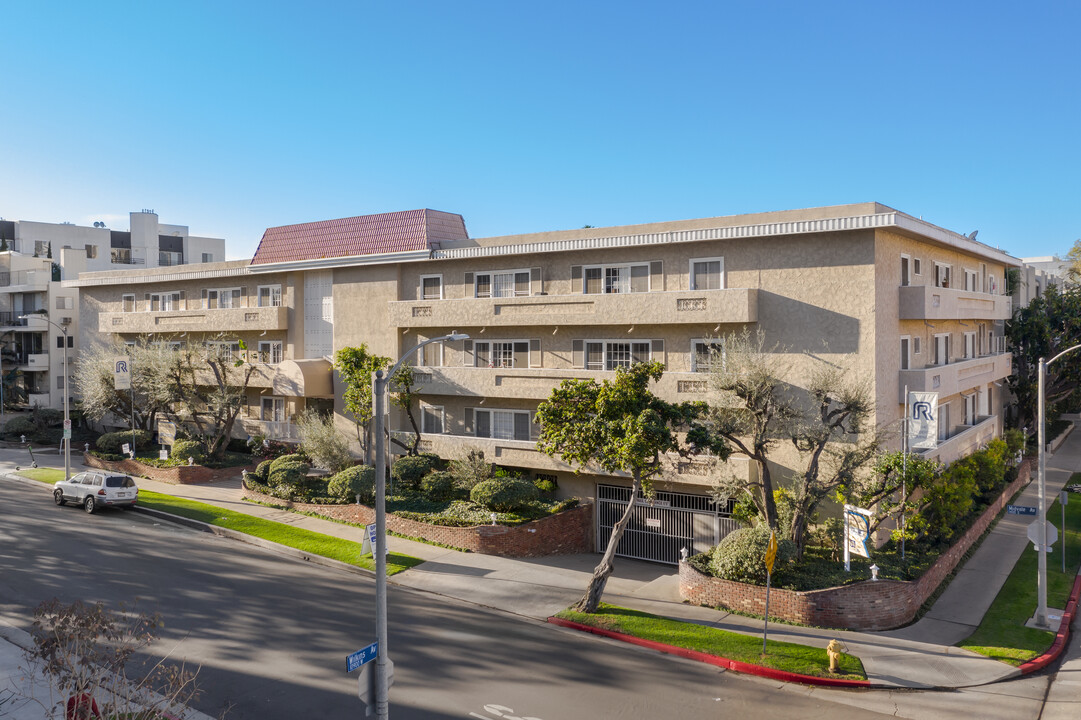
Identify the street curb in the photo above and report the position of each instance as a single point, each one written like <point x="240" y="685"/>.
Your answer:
<point x="735" y="665"/>
<point x="1061" y="638"/>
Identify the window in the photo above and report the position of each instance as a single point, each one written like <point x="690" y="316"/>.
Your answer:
<point x="707" y="355"/>
<point x="431" y="419"/>
<point x="65" y="303"/>
<point x="270" y="295"/>
<point x="270" y="351"/>
<point x="917" y="266"/>
<point x="501" y="353"/>
<point x="970" y="409"/>
<point x="972" y="281"/>
<point x="217" y="350"/>
<point x="120" y="256"/>
<point x="942" y="275"/>
<point x="502" y="424"/>
<point x="60" y="341"/>
<point x="273" y="409"/>
<point x="970" y="345"/>
<point x="128" y="302"/>
<point x="905" y="356"/>
<point x="943" y="422"/>
<point x="707" y="274"/>
<point x="164" y="302"/>
<point x="509" y="283"/>
<point x="942" y="349"/>
<point x="222" y="298"/>
<point x="431" y="355"/>
<point x="41" y="247"/>
<point x="915" y="346"/>
<point x="615" y="279"/>
<point x="208" y="257"/>
<point x="59" y="382"/>
<point x="905" y="266"/>
<point x="431" y="287"/>
<point x="91" y="252"/>
<point x="168" y="258"/>
<point x="609" y="355"/>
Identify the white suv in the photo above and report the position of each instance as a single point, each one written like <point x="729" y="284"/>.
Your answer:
<point x="97" y="489"/>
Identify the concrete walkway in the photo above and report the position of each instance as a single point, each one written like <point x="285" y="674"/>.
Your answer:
<point x="919" y="656"/>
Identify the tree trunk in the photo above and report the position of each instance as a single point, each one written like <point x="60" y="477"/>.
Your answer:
<point x="592" y="598"/>
<point x="769" y="505"/>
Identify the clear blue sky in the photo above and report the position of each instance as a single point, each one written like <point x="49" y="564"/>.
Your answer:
<point x="230" y="117"/>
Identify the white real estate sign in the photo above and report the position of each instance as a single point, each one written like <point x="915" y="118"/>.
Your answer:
<point x="122" y="373"/>
<point x="922" y="420"/>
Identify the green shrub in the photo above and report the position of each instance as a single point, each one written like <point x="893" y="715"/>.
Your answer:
<point x="48" y="436"/>
<point x="503" y="494"/>
<point x="471" y="469"/>
<point x="287" y="473"/>
<point x="439" y="485"/>
<point x="947" y="502"/>
<point x="407" y="472"/>
<point x="545" y="486"/>
<point x="184" y="449"/>
<point x="740" y="556"/>
<point x="357" y="480"/>
<point x="48" y="417"/>
<point x="113" y="442"/>
<point x="291" y="457"/>
<point x="321" y="440"/>
<point x="262" y="471"/>
<point x="1015" y="441"/>
<point x="19" y="426"/>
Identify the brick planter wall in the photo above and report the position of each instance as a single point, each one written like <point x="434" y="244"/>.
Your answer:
<point x="183" y="475"/>
<point x="569" y="532"/>
<point x="867" y="605"/>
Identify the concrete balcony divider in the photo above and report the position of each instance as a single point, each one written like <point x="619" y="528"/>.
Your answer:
<point x="735" y="305"/>
<point x="955" y="377"/>
<point x="248" y="319"/>
<point x="964" y="442"/>
<point x="923" y="302"/>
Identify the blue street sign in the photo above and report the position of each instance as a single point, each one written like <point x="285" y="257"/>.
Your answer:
<point x="1020" y="510"/>
<point x="361" y="657"/>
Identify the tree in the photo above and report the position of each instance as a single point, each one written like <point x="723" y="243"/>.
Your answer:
<point x="1073" y="273"/>
<point x="755" y="410"/>
<point x="96" y="389"/>
<point x="321" y="440"/>
<point x="1050" y="324"/>
<point x="355" y="366"/>
<point x="402" y="394"/>
<point x="894" y="487"/>
<point x="620" y="426"/>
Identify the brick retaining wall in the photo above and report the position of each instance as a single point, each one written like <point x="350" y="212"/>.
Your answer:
<point x="182" y="475"/>
<point x="867" y="605"/>
<point x="566" y="533"/>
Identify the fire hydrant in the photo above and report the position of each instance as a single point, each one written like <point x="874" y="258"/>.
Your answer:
<point x="834" y="650"/>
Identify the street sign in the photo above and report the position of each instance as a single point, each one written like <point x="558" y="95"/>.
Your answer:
<point x="67" y="424"/>
<point x="1020" y="510"/>
<point x="1063" y="497"/>
<point x="1034" y="534"/>
<point x="361" y="657"/>
<point x="771" y="552"/>
<point x="166" y="432"/>
<point x="372" y="542"/>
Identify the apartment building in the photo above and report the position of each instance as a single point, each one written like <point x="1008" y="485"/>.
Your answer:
<point x="893" y="299"/>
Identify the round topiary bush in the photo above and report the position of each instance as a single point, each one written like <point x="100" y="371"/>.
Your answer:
<point x="114" y="442"/>
<point x="184" y="449"/>
<point x="287" y="473"/>
<point x="439" y="485"/>
<point x="291" y="457"/>
<point x="19" y="426"/>
<point x="407" y="472"/>
<point x="262" y="471"/>
<point x="740" y="556"/>
<point x="503" y="494"/>
<point x="357" y="480"/>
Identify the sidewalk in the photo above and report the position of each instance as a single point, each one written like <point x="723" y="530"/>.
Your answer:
<point x="918" y="656"/>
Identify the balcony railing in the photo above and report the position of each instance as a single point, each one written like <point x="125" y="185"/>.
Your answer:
<point x="925" y="302"/>
<point x="965" y="440"/>
<point x="210" y="321"/>
<point x="956" y="377"/>
<point x="271" y="430"/>
<point x="14" y="319"/>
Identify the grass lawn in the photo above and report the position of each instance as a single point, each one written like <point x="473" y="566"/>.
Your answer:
<point x="789" y="657"/>
<point x="1002" y="634"/>
<point x="307" y="541"/>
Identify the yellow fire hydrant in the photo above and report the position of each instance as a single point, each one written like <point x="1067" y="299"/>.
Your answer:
<point x="833" y="651"/>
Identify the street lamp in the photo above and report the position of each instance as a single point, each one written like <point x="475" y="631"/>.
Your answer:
<point x="1041" y="573"/>
<point x="67" y="392"/>
<point x="380" y="381"/>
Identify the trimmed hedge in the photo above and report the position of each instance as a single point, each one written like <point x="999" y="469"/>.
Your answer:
<point x="407" y="472"/>
<point x="357" y="480"/>
<point x="503" y="494"/>
<point x="184" y="449"/>
<point x="113" y="442"/>
<point x="740" y="556"/>
<point x="439" y="485"/>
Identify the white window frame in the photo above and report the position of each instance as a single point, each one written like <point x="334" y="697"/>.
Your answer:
<point x="694" y="352"/>
<point x="916" y="349"/>
<point x="216" y="349"/>
<point x="972" y="277"/>
<point x="917" y="267"/>
<point x="219" y="293"/>
<point x="606" y="363"/>
<point x="492" y="424"/>
<point x="437" y="410"/>
<point x="934" y="356"/>
<point x="438" y="277"/>
<point x="124" y="298"/>
<point x="266" y="350"/>
<point x="157" y="301"/>
<point x="906" y="352"/>
<point x="971" y="349"/>
<point x="273" y="292"/>
<point x="422" y="354"/>
<point x="604" y="268"/>
<point x="276" y="402"/>
<point x="971" y="408"/>
<point x="946" y="269"/>
<point x="906" y="281"/>
<point x="491" y="355"/>
<point x="491" y="282"/>
<point x="692" y="281"/>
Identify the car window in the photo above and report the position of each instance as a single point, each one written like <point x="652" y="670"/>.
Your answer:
<point x="96" y="482"/>
<point x="77" y="479"/>
<point x="117" y="481"/>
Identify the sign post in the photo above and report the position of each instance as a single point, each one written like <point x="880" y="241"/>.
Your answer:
<point x="1063" y="498"/>
<point x="857" y="533"/>
<point x="771" y="555"/>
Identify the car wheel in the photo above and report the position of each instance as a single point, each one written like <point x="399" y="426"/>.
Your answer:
<point x="89" y="505"/>
<point x="58" y="496"/>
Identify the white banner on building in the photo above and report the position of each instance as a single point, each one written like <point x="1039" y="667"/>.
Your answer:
<point x="922" y="420"/>
<point x="122" y="373"/>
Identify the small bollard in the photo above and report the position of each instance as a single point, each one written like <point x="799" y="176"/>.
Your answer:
<point x="683" y="553"/>
<point x="191" y="461"/>
<point x="22" y="439"/>
<point x="833" y="651"/>
<point x="874" y="572"/>
<point x="493" y="518"/>
<point x="86" y="447"/>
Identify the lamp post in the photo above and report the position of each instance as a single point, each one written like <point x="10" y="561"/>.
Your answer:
<point x="380" y="381"/>
<point x="1041" y="573"/>
<point x="67" y="392"/>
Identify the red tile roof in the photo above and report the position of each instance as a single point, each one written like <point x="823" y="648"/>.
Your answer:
<point x="362" y="235"/>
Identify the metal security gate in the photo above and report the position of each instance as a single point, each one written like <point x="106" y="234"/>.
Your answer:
<point x="660" y="527"/>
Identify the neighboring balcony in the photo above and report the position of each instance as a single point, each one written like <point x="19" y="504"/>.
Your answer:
<point x="965" y="441"/>
<point x="538" y="383"/>
<point x="923" y="302"/>
<point x="958" y="376"/>
<point x="271" y="430"/>
<point x="25" y="280"/>
<point x="203" y="321"/>
<point x="736" y="305"/>
<point x="33" y="362"/>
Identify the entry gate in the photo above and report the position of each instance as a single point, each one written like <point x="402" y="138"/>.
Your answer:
<point x="658" y="529"/>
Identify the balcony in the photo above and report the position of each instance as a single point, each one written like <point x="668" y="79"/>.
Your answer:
<point x="965" y="441"/>
<point x="271" y="430"/>
<point x="33" y="362"/>
<point x="25" y="280"/>
<point x="737" y="305"/>
<point x="922" y="302"/>
<point x="251" y="319"/>
<point x="538" y="383"/>
<point x="958" y="376"/>
<point x="35" y="321"/>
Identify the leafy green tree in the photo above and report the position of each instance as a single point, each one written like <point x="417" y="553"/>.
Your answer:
<point x="1050" y="324"/>
<point x="355" y="366"/>
<point x="881" y="490"/>
<point x="618" y="426"/>
<point x="403" y="392"/>
<point x="1073" y="273"/>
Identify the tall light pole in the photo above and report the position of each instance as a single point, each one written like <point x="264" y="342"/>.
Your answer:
<point x="67" y="392"/>
<point x="1041" y="572"/>
<point x="380" y="381"/>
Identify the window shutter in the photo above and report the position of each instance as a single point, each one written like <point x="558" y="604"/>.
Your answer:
<point x="658" y="352"/>
<point x="204" y="299"/>
<point x="521" y="426"/>
<point x="469" y="285"/>
<point x="467" y="354"/>
<point x="576" y="278"/>
<point x="577" y="360"/>
<point x="469" y="421"/>
<point x="183" y="300"/>
<point x="534" y="352"/>
<point x="656" y="276"/>
<point x="535" y="281"/>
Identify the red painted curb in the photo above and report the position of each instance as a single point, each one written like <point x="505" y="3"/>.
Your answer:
<point x="717" y="660"/>
<point x="1061" y="637"/>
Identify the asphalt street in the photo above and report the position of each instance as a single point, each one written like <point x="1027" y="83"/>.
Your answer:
<point x="271" y="633"/>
